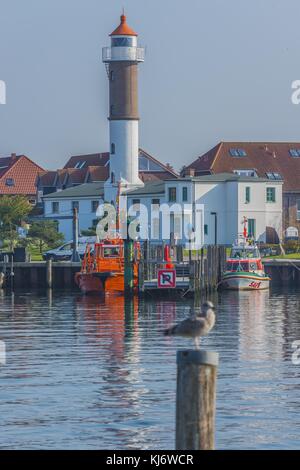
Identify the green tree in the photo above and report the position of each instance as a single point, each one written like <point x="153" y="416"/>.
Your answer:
<point x="13" y="210"/>
<point x="45" y="234"/>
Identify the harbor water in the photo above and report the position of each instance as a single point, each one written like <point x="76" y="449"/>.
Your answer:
<point x="84" y="373"/>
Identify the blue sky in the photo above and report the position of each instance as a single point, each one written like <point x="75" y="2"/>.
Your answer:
<point x="214" y="70"/>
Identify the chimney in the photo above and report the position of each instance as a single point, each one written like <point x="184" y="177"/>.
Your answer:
<point x="189" y="172"/>
<point x="13" y="156"/>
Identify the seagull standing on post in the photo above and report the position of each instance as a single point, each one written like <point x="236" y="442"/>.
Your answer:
<point x="198" y="324"/>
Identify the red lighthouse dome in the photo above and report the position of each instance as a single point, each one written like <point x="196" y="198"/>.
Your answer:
<point x="123" y="29"/>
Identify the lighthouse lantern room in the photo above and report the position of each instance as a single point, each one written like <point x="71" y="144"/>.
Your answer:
<point x="122" y="59"/>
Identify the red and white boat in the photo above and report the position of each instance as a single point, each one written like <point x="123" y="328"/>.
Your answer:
<point x="244" y="268"/>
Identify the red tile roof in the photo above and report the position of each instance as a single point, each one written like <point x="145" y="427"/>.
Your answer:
<point x="18" y="175"/>
<point x="263" y="157"/>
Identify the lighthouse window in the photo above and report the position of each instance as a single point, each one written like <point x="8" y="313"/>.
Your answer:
<point x="113" y="149"/>
<point x="122" y="42"/>
<point x="111" y="76"/>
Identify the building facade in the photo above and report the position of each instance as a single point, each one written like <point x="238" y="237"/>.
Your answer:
<point x="209" y="209"/>
<point x="275" y="161"/>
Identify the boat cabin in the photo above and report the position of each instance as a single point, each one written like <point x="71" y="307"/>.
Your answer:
<point x="246" y="265"/>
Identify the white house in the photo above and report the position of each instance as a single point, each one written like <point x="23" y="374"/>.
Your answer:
<point x="224" y="200"/>
<point x="212" y="205"/>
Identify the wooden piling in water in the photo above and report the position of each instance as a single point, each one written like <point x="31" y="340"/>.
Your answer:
<point x="128" y="267"/>
<point x="49" y="274"/>
<point x="196" y="399"/>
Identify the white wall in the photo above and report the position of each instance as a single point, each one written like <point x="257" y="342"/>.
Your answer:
<point x="266" y="214"/>
<point x="227" y="199"/>
<point x="85" y="214"/>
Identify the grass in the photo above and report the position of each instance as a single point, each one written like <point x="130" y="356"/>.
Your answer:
<point x="288" y="256"/>
<point x="35" y="253"/>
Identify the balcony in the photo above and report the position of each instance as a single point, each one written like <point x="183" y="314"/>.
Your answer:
<point x="132" y="54"/>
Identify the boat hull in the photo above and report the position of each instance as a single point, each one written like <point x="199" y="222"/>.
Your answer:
<point x="247" y="281"/>
<point x="89" y="284"/>
<point x="99" y="283"/>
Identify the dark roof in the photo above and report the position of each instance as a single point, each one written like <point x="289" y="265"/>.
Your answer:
<point x="157" y="187"/>
<point x="47" y="178"/>
<point x="83" y="190"/>
<point x="263" y="157"/>
<point x="94" y="159"/>
<point x="97" y="173"/>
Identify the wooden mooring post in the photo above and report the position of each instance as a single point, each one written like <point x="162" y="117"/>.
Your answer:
<point x="128" y="267"/>
<point x="49" y="273"/>
<point x="196" y="399"/>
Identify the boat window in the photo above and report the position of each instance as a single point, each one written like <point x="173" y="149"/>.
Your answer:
<point x="111" y="252"/>
<point x="245" y="266"/>
<point x="252" y="266"/>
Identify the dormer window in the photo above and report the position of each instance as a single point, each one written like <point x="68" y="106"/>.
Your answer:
<point x="10" y="182"/>
<point x="274" y="176"/>
<point x="249" y="172"/>
<point x="79" y="165"/>
<point x="295" y="153"/>
<point x="237" y="152"/>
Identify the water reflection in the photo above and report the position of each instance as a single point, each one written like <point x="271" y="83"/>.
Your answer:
<point x="86" y="372"/>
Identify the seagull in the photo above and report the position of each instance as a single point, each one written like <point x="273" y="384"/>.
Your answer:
<point x="198" y="324"/>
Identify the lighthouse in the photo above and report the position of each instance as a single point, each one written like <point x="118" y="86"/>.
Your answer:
<point x="122" y="59"/>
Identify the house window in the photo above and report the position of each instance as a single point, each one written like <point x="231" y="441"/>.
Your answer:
<point x="136" y="202"/>
<point x="113" y="149"/>
<point x="247" y="195"/>
<point x="298" y="209"/>
<point x="184" y="194"/>
<point x="172" y="195"/>
<point x="55" y="207"/>
<point x="147" y="165"/>
<point x="75" y="205"/>
<point x="155" y="202"/>
<point x="270" y="194"/>
<point x="205" y="229"/>
<point x="95" y="205"/>
<point x="251" y="228"/>
<point x="10" y="182"/>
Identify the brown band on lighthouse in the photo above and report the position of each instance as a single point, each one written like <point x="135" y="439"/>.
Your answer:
<point x="123" y="90"/>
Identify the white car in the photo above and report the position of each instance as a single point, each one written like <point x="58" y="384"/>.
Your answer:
<point x="65" y="251"/>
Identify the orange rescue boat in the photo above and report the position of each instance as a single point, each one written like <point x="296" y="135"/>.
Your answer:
<point x="102" y="268"/>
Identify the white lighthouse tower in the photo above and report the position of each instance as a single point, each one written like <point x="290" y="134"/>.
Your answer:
<point x="122" y="59"/>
